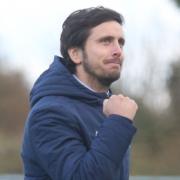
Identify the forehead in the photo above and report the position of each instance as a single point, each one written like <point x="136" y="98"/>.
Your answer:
<point x="110" y="28"/>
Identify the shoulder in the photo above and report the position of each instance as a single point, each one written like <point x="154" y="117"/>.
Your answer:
<point x="59" y="104"/>
<point x="53" y="109"/>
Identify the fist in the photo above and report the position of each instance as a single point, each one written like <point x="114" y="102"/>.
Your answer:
<point x="120" y="105"/>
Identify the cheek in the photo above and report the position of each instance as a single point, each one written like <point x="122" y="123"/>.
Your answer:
<point x="100" y="54"/>
<point x="96" y="55"/>
<point x="122" y="56"/>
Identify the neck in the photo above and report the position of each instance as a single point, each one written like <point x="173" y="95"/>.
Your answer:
<point x="92" y="82"/>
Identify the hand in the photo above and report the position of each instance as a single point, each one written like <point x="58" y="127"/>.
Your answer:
<point x="120" y="105"/>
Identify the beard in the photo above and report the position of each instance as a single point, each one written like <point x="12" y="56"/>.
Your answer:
<point x="103" y="77"/>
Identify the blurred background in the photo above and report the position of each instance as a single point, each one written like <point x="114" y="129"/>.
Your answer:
<point x="29" y="38"/>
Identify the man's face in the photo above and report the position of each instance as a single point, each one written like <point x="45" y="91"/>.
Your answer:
<point x="103" y="52"/>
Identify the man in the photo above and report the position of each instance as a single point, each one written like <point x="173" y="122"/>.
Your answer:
<point x="76" y="129"/>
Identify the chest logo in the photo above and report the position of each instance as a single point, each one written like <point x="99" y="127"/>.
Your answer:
<point x="96" y="133"/>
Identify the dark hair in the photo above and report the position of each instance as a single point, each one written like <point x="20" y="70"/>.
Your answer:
<point x="76" y="28"/>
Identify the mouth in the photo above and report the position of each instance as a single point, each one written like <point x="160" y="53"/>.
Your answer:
<point x="113" y="62"/>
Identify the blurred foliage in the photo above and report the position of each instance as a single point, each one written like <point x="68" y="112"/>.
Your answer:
<point x="13" y="111"/>
<point x="13" y="106"/>
<point x="178" y="2"/>
<point x="156" y="146"/>
<point x="174" y="89"/>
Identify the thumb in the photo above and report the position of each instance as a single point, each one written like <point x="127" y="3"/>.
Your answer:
<point x="105" y="102"/>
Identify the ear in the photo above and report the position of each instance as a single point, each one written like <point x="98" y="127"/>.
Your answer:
<point x="75" y="55"/>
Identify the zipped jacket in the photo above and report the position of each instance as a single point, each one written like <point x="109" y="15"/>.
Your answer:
<point x="67" y="136"/>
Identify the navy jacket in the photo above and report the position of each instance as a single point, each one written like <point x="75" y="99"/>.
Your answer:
<point x="67" y="136"/>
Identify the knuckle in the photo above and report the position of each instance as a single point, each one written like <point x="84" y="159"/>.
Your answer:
<point x="120" y="95"/>
<point x="113" y="96"/>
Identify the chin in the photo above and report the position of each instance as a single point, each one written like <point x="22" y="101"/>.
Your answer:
<point x="109" y="79"/>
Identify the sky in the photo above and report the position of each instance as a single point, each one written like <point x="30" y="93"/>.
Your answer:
<point x="30" y="31"/>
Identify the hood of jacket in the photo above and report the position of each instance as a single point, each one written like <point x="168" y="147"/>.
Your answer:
<point x="58" y="81"/>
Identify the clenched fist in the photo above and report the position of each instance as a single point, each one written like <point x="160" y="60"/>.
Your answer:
<point x="120" y="105"/>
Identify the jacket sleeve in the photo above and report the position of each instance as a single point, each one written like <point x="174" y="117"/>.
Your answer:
<point x="57" y="142"/>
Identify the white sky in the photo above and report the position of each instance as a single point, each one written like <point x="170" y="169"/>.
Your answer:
<point x="30" y="31"/>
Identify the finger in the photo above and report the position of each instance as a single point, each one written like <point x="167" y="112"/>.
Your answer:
<point x="105" y="102"/>
<point x="121" y="96"/>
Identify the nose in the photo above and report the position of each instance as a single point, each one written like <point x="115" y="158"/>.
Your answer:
<point x="117" y="50"/>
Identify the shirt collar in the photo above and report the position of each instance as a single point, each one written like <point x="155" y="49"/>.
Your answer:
<point x="85" y="85"/>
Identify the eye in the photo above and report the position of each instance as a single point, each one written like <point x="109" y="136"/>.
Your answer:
<point x="121" y="42"/>
<point x="106" y="40"/>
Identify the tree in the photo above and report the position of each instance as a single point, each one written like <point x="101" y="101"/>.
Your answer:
<point x="13" y="102"/>
<point x="13" y="112"/>
<point x="178" y="2"/>
<point x="174" y="89"/>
